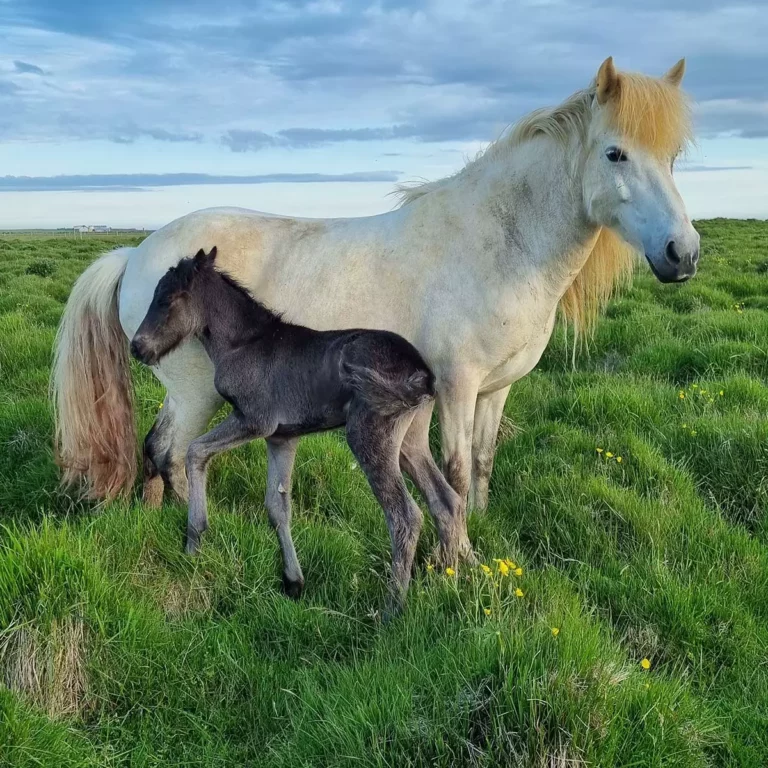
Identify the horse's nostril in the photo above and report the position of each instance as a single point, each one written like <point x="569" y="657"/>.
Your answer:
<point x="672" y="255"/>
<point x="135" y="349"/>
<point x="695" y="256"/>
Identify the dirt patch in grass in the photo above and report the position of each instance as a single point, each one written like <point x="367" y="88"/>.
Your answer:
<point x="48" y="667"/>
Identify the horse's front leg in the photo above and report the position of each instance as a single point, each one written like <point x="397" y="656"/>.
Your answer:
<point x="488" y="413"/>
<point x="456" y="408"/>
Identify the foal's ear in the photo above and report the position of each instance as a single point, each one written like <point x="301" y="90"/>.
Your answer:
<point x="203" y="259"/>
<point x="607" y="81"/>
<point x="675" y="75"/>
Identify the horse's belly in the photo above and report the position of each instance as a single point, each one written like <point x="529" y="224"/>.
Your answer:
<point x="521" y="363"/>
<point x="510" y="372"/>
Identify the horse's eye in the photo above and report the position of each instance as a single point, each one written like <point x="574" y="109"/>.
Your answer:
<point x="615" y="155"/>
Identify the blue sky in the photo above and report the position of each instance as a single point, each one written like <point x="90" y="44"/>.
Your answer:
<point x="131" y="114"/>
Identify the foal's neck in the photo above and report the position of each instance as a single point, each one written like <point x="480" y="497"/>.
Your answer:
<point x="231" y="316"/>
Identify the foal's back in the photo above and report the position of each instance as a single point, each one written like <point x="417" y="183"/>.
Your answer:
<point x="298" y="379"/>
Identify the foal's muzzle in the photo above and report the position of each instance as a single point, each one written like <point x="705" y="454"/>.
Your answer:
<point x="140" y="350"/>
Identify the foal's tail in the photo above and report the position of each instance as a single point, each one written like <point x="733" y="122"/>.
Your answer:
<point x="95" y="433"/>
<point x="390" y="394"/>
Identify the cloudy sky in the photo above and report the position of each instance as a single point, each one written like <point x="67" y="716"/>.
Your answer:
<point x="132" y="113"/>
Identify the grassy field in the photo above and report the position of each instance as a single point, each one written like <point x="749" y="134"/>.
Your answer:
<point x="116" y="649"/>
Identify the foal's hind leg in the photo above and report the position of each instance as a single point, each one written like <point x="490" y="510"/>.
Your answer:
<point x="229" y="434"/>
<point x="280" y="457"/>
<point x="375" y="441"/>
<point x="444" y="503"/>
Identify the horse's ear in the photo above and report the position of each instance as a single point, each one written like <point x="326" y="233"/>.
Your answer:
<point x="212" y="256"/>
<point x="675" y="75"/>
<point x="607" y="81"/>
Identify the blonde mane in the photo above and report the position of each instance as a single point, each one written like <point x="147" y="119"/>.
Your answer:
<point x="649" y="112"/>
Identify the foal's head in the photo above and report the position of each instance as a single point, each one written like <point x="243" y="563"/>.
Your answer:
<point x="176" y="311"/>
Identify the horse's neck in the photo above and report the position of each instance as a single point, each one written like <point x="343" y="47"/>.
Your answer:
<point x="533" y="194"/>
<point x="231" y="316"/>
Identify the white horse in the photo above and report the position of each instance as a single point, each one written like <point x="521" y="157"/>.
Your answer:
<point x="471" y="269"/>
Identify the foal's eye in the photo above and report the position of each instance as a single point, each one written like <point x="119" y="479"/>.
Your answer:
<point x="616" y="155"/>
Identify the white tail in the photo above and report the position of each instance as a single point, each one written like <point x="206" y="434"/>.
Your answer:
<point x="91" y="390"/>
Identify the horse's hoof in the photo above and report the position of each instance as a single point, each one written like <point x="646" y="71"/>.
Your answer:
<point x="292" y="587"/>
<point x="445" y="557"/>
<point x="468" y="556"/>
<point x="152" y="494"/>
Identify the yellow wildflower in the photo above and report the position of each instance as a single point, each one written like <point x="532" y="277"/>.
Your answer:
<point x="518" y="571"/>
<point x="599" y="450"/>
<point x="608" y="455"/>
<point x="619" y="459"/>
<point x="721" y="393"/>
<point x="487" y="611"/>
<point x="430" y="567"/>
<point x="510" y="564"/>
<point x="519" y="592"/>
<point x="486" y="570"/>
<point x="503" y="568"/>
<point x="645" y="664"/>
<point x="555" y="631"/>
<point x="450" y="572"/>
<point x="160" y="406"/>
<point x="681" y="395"/>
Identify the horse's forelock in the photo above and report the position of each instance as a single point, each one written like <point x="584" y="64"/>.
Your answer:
<point x="651" y="112"/>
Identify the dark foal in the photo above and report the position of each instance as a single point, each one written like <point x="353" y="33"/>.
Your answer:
<point x="284" y="381"/>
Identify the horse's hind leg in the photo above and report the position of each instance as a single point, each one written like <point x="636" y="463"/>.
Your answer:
<point x="375" y="441"/>
<point x="229" y="434"/>
<point x="153" y="484"/>
<point x="444" y="503"/>
<point x="280" y="457"/>
<point x="191" y="402"/>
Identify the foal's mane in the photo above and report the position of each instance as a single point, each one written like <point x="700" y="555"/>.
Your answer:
<point x="269" y="314"/>
<point x="650" y="112"/>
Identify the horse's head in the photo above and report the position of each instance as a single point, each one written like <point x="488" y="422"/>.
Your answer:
<point x="176" y="311"/>
<point x="639" y="125"/>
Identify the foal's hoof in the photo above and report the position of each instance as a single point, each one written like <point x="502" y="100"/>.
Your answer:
<point x="193" y="542"/>
<point x="393" y="610"/>
<point x="292" y="588"/>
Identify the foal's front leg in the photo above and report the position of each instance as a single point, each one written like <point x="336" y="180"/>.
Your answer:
<point x="233" y="431"/>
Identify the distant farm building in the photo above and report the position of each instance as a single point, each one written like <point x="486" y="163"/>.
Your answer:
<point x="95" y="228"/>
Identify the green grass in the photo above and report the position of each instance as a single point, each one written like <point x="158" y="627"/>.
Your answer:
<point x="117" y="650"/>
